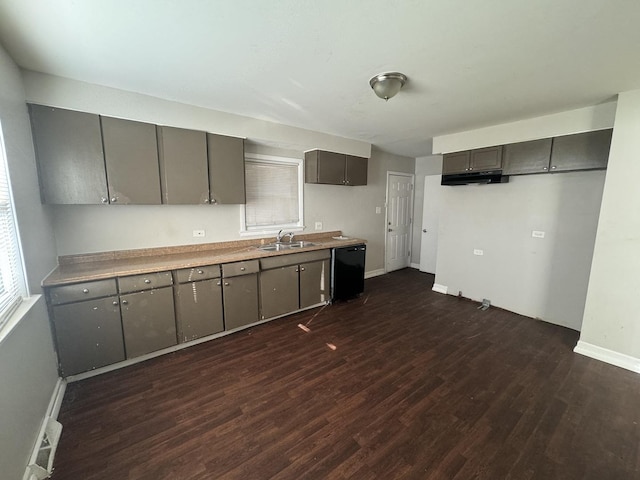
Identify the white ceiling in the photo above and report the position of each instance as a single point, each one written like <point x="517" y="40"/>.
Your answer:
<point x="307" y="63"/>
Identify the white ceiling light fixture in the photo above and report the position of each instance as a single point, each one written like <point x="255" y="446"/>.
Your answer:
<point x="386" y="85"/>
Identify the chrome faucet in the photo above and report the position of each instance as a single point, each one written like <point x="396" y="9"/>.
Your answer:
<point x="281" y="235"/>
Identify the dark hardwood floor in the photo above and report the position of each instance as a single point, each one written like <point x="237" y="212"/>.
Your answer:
<point x="419" y="386"/>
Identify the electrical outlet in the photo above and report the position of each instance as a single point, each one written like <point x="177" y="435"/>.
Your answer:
<point x="198" y="233"/>
<point x="318" y="225"/>
<point x="477" y="251"/>
<point x="378" y="210"/>
<point x="537" y="234"/>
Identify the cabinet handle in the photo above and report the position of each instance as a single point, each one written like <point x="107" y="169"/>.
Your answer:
<point x="85" y="290"/>
<point x="302" y="269"/>
<point x="104" y="200"/>
<point x="545" y="168"/>
<point x="206" y="200"/>
<point x="470" y="168"/>
<point x="124" y="302"/>
<point x="214" y="201"/>
<point x="200" y="271"/>
<point x="114" y="199"/>
<point x="553" y="167"/>
<point x="146" y="280"/>
<point x="297" y="270"/>
<point x="218" y="284"/>
<point x="115" y="302"/>
<point x="242" y="269"/>
<point x="226" y="284"/>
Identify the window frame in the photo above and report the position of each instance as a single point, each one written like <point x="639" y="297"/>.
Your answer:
<point x="274" y="229"/>
<point x="13" y="265"/>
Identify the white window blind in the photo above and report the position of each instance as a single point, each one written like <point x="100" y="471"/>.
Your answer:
<point x="11" y="275"/>
<point x="273" y="194"/>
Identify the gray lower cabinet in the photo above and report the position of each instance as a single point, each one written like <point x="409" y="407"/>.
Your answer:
<point x="279" y="291"/>
<point x="148" y="321"/>
<point x="315" y="283"/>
<point x="131" y="158"/>
<point x="68" y="147"/>
<point x="291" y="282"/>
<point x="240" y="293"/>
<point x="88" y="334"/>
<point x="198" y="297"/>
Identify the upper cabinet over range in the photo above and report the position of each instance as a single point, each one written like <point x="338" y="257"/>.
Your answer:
<point x="85" y="158"/>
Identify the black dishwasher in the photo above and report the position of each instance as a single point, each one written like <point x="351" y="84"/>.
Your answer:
<point x="347" y="272"/>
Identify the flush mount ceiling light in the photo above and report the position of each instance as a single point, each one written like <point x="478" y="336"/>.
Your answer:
<point x="386" y="85"/>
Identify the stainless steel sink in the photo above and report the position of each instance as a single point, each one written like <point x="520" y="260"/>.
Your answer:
<point x="275" y="247"/>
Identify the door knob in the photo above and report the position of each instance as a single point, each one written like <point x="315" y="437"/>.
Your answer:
<point x="390" y="229"/>
<point x="424" y="230"/>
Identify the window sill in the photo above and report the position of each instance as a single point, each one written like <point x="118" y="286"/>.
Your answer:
<point x="16" y="317"/>
<point x="269" y="232"/>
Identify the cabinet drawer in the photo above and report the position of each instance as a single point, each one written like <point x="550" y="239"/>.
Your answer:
<point x="294" y="259"/>
<point x="82" y="291"/>
<point x="188" y="275"/>
<point x="147" y="281"/>
<point x="240" y="268"/>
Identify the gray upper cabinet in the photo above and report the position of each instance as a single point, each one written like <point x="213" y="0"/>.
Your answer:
<point x="334" y="168"/>
<point x="527" y="157"/>
<point x="183" y="166"/>
<point x="457" y="162"/>
<point x="484" y="159"/>
<point x="481" y="159"/>
<point x="68" y="148"/>
<point x="131" y="157"/>
<point x="226" y="169"/>
<point x="583" y="151"/>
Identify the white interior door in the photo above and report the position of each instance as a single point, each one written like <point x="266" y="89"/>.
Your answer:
<point x="399" y="210"/>
<point x="430" y="218"/>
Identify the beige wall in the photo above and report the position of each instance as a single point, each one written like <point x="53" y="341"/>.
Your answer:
<point x="611" y="326"/>
<point x="27" y="362"/>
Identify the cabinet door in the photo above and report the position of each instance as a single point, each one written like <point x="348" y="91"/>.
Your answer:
<point x="148" y="321"/>
<point x="457" y="162"/>
<point x="527" y="157"/>
<point x="226" y="169"/>
<point x="356" y="170"/>
<point x="199" y="309"/>
<point x="240" y="296"/>
<point x="315" y="283"/>
<point x="88" y="335"/>
<point x="583" y="151"/>
<point x="331" y="168"/>
<point x="484" y="159"/>
<point x="131" y="156"/>
<point x="279" y="291"/>
<point x="183" y="166"/>
<point x="68" y="147"/>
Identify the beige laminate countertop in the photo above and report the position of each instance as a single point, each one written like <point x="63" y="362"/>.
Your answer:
<point x="83" y="268"/>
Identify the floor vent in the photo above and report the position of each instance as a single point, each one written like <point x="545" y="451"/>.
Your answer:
<point x="42" y="467"/>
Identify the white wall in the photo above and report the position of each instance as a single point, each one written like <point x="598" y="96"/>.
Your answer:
<point x="88" y="228"/>
<point x="611" y="326"/>
<point x="429" y="165"/>
<point x="27" y="362"/>
<point x="597" y="117"/>
<point x="540" y="278"/>
<point x="546" y="278"/>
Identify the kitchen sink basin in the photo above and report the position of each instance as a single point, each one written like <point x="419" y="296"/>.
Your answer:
<point x="276" y="247"/>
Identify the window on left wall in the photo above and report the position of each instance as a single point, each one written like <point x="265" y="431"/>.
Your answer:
<point x="12" y="285"/>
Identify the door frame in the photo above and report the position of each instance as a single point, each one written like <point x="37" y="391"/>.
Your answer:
<point x="386" y="212"/>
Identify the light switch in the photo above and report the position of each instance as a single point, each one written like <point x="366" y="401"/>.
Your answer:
<point x="537" y="234"/>
<point x="378" y="210"/>
<point x="318" y="225"/>
<point x="477" y="251"/>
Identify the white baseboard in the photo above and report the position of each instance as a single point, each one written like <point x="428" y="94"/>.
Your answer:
<point x="440" y="288"/>
<point x="374" y="273"/>
<point x="415" y="265"/>
<point x="608" y="356"/>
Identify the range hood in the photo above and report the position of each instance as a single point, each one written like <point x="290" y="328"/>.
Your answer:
<point x="491" y="176"/>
